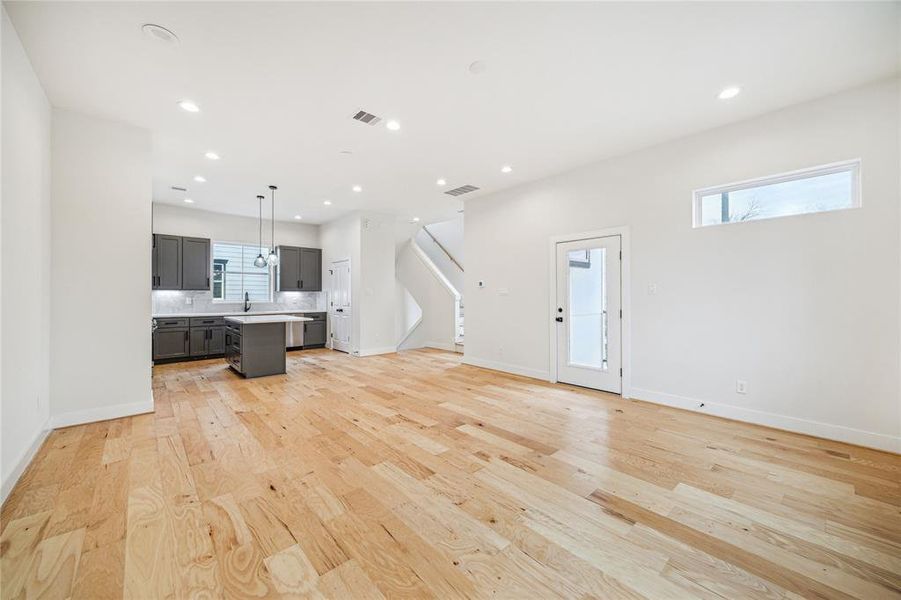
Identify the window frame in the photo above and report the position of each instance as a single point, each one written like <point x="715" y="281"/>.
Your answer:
<point x="271" y="271"/>
<point x="852" y="166"/>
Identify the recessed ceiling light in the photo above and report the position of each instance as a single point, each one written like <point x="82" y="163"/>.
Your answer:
<point x="392" y="125"/>
<point x="200" y="179"/>
<point x="189" y="201"/>
<point x="189" y="106"/>
<point x="212" y="156"/>
<point x="357" y="188"/>
<point x="416" y="219"/>
<point x="441" y="182"/>
<point x="327" y="202"/>
<point x="159" y="33"/>
<point x="298" y="217"/>
<point x="729" y="92"/>
<point x="478" y="67"/>
<point x="506" y="169"/>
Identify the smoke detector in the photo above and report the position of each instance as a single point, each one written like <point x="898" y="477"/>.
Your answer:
<point x="159" y="33"/>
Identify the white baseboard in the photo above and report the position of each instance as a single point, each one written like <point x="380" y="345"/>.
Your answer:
<point x="507" y="368"/>
<point x="449" y="346"/>
<point x="840" y="433"/>
<point x="102" y="413"/>
<point x="9" y="482"/>
<point x="375" y="351"/>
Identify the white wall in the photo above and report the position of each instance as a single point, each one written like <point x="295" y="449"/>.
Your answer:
<point x="25" y="269"/>
<point x="175" y="220"/>
<point x="436" y="302"/>
<point x="100" y="311"/>
<point x="805" y="308"/>
<point x="377" y="278"/>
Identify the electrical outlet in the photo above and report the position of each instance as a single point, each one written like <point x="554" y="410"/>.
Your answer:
<point x="741" y="386"/>
<point x="652" y="289"/>
<point x="189" y="300"/>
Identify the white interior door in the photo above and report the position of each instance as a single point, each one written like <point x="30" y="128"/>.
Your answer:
<point x="589" y="313"/>
<point x="339" y="307"/>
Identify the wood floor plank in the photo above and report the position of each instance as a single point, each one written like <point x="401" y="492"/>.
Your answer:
<point x="413" y="475"/>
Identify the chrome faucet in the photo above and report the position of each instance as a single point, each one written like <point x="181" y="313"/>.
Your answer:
<point x="246" y="301"/>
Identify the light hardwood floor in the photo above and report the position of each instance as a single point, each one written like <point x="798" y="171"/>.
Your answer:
<point x="411" y="475"/>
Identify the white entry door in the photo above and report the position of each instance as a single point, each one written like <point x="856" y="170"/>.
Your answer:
<point x="339" y="308"/>
<point x="588" y="313"/>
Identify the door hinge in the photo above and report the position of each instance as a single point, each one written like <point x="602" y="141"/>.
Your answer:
<point x="620" y="371"/>
<point x="620" y="313"/>
<point x="620" y="254"/>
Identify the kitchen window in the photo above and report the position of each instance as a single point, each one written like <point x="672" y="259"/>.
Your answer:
<point x="234" y="273"/>
<point x="818" y="189"/>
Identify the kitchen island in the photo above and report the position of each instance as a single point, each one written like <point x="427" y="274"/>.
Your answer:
<point x="255" y="344"/>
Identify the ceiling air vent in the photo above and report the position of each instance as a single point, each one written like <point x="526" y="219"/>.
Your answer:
<point x="179" y="188"/>
<point x="367" y="118"/>
<point x="463" y="189"/>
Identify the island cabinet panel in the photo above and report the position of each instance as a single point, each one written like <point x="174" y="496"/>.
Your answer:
<point x="288" y="269"/>
<point x="195" y="264"/>
<point x="166" y="261"/>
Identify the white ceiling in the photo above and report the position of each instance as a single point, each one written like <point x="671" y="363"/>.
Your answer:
<point x="565" y="84"/>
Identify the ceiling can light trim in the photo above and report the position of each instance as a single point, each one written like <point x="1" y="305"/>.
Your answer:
<point x="212" y="155"/>
<point x="200" y="179"/>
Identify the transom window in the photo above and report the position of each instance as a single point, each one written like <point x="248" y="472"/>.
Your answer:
<point x="234" y="273"/>
<point x="819" y="189"/>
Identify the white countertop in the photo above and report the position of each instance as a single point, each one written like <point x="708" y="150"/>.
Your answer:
<point x="253" y="319"/>
<point x="233" y="313"/>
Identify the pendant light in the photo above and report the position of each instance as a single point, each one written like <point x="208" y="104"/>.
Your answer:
<point x="272" y="261"/>
<point x="259" y="261"/>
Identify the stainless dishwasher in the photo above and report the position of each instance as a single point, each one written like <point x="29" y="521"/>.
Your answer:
<point x="294" y="332"/>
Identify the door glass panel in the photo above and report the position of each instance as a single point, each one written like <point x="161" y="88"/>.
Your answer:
<point x="588" y="308"/>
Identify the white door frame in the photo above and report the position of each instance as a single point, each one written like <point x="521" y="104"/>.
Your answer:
<point x="626" y="299"/>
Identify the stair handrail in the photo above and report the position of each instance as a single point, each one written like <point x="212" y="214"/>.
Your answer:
<point x="443" y="249"/>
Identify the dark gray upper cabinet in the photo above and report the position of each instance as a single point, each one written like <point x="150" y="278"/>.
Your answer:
<point x="299" y="269"/>
<point x="195" y="264"/>
<point x="167" y="261"/>
<point x="288" y="269"/>
<point x="311" y="269"/>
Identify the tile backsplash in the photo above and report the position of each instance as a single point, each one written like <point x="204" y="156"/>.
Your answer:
<point x="176" y="302"/>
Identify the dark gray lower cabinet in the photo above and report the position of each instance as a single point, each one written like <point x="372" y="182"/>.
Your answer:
<point x="170" y="343"/>
<point x="179" y="338"/>
<point x="314" y="333"/>
<point x="216" y="342"/>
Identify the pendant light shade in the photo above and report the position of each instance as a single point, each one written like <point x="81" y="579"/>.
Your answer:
<point x="259" y="261"/>
<point x="272" y="261"/>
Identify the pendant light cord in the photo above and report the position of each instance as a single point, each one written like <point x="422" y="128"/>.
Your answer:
<point x="272" y="189"/>
<point x="260" y="201"/>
